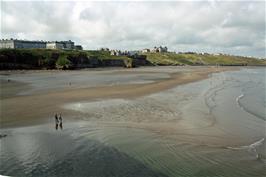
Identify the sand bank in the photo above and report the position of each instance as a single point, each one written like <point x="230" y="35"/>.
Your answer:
<point x="37" y="108"/>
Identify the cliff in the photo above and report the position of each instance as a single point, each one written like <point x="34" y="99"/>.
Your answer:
<point x="72" y="59"/>
<point x="65" y="59"/>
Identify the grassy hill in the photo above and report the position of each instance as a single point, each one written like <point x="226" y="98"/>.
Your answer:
<point x="199" y="59"/>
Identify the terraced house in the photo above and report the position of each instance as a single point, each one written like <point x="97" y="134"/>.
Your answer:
<point x="21" y="44"/>
<point x="26" y="44"/>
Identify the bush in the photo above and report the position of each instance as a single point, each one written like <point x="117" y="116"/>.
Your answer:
<point x="63" y="63"/>
<point x="49" y="62"/>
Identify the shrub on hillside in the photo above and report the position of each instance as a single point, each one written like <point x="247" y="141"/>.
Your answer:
<point x="63" y="63"/>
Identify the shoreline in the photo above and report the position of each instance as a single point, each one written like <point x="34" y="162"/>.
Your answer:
<point x="35" y="109"/>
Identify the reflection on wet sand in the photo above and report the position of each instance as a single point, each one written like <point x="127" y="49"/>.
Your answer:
<point x="45" y="153"/>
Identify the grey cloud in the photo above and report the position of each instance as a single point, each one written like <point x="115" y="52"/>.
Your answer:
<point x="212" y="26"/>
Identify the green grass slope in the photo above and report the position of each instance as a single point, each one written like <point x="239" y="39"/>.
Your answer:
<point x="199" y="59"/>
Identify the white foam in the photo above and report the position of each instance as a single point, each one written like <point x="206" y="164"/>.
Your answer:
<point x="251" y="148"/>
<point x="239" y="97"/>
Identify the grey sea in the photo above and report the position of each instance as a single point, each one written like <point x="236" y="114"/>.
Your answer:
<point x="210" y="128"/>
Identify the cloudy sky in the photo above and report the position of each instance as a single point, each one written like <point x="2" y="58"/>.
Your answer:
<point x="234" y="27"/>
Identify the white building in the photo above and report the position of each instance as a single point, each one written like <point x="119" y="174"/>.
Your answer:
<point x="155" y="50"/>
<point x="159" y="49"/>
<point x="68" y="45"/>
<point x="145" y="50"/>
<point x="54" y="45"/>
<point x="116" y="52"/>
<point x="24" y="44"/>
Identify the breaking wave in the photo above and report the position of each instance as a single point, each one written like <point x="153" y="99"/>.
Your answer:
<point x="257" y="147"/>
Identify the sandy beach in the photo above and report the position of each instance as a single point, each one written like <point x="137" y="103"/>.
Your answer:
<point x="40" y="107"/>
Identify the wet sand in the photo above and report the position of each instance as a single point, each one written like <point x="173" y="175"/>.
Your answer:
<point x="40" y="107"/>
<point x="161" y="121"/>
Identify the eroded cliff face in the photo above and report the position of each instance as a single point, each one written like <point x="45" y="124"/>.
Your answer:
<point x="56" y="59"/>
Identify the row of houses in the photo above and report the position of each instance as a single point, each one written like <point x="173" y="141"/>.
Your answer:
<point x="26" y="44"/>
<point x="120" y="53"/>
<point x="155" y="50"/>
<point x="66" y="45"/>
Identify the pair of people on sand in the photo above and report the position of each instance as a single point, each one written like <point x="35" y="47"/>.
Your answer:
<point x="58" y="121"/>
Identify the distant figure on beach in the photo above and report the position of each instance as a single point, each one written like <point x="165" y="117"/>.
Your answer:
<point x="56" y="121"/>
<point x="60" y="121"/>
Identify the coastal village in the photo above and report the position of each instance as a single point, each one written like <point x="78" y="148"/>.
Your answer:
<point x="70" y="45"/>
<point x="67" y="45"/>
<point x="26" y="54"/>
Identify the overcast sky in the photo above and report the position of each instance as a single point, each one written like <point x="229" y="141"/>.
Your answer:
<point x="204" y="26"/>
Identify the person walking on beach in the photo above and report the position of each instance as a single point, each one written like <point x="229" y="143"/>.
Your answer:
<point x="56" y="118"/>
<point x="60" y="121"/>
<point x="56" y="121"/>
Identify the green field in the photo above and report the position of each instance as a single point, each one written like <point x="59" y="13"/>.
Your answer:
<point x="199" y="59"/>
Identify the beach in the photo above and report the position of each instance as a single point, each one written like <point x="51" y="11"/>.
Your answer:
<point x="39" y="107"/>
<point x="147" y="121"/>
